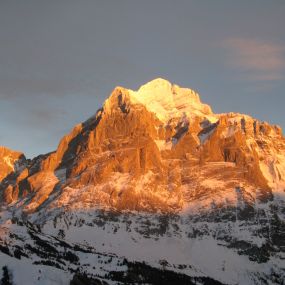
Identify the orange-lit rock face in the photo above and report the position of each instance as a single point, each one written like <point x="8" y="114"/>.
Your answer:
<point x="12" y="170"/>
<point x="8" y="161"/>
<point x="157" y="149"/>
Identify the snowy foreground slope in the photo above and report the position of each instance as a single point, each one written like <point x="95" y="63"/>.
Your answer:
<point x="246" y="251"/>
<point x="155" y="188"/>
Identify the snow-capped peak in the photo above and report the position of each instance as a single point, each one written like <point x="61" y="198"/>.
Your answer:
<point x="169" y="100"/>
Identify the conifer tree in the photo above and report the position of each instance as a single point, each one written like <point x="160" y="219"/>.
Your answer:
<point x="6" y="277"/>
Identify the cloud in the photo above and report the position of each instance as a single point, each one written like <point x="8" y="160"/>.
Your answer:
<point x="261" y="60"/>
<point x="40" y="117"/>
<point x="13" y="88"/>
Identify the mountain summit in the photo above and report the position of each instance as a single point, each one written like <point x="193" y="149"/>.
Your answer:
<point x="168" y="100"/>
<point x="149" y="150"/>
<point x="167" y="165"/>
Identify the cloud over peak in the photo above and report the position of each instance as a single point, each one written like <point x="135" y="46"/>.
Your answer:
<point x="261" y="60"/>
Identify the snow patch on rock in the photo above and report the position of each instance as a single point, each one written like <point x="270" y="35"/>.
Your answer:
<point x="169" y="101"/>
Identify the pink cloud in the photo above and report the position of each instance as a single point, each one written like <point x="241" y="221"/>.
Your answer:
<point x="263" y="60"/>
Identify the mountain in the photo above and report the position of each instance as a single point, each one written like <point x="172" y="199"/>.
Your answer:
<point x="10" y="161"/>
<point x="154" y="183"/>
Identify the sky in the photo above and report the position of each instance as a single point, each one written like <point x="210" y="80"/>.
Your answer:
<point x="60" y="59"/>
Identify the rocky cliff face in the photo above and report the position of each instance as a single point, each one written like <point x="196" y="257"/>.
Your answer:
<point x="10" y="161"/>
<point x="145" y="150"/>
<point x="12" y="170"/>
<point x="160" y="150"/>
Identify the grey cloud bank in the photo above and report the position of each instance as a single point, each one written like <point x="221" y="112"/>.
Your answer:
<point x="59" y="60"/>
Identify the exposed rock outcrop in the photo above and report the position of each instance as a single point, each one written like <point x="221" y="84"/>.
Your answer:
<point x="156" y="149"/>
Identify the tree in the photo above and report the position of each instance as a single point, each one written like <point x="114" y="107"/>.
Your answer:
<point x="61" y="234"/>
<point x="6" y="277"/>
